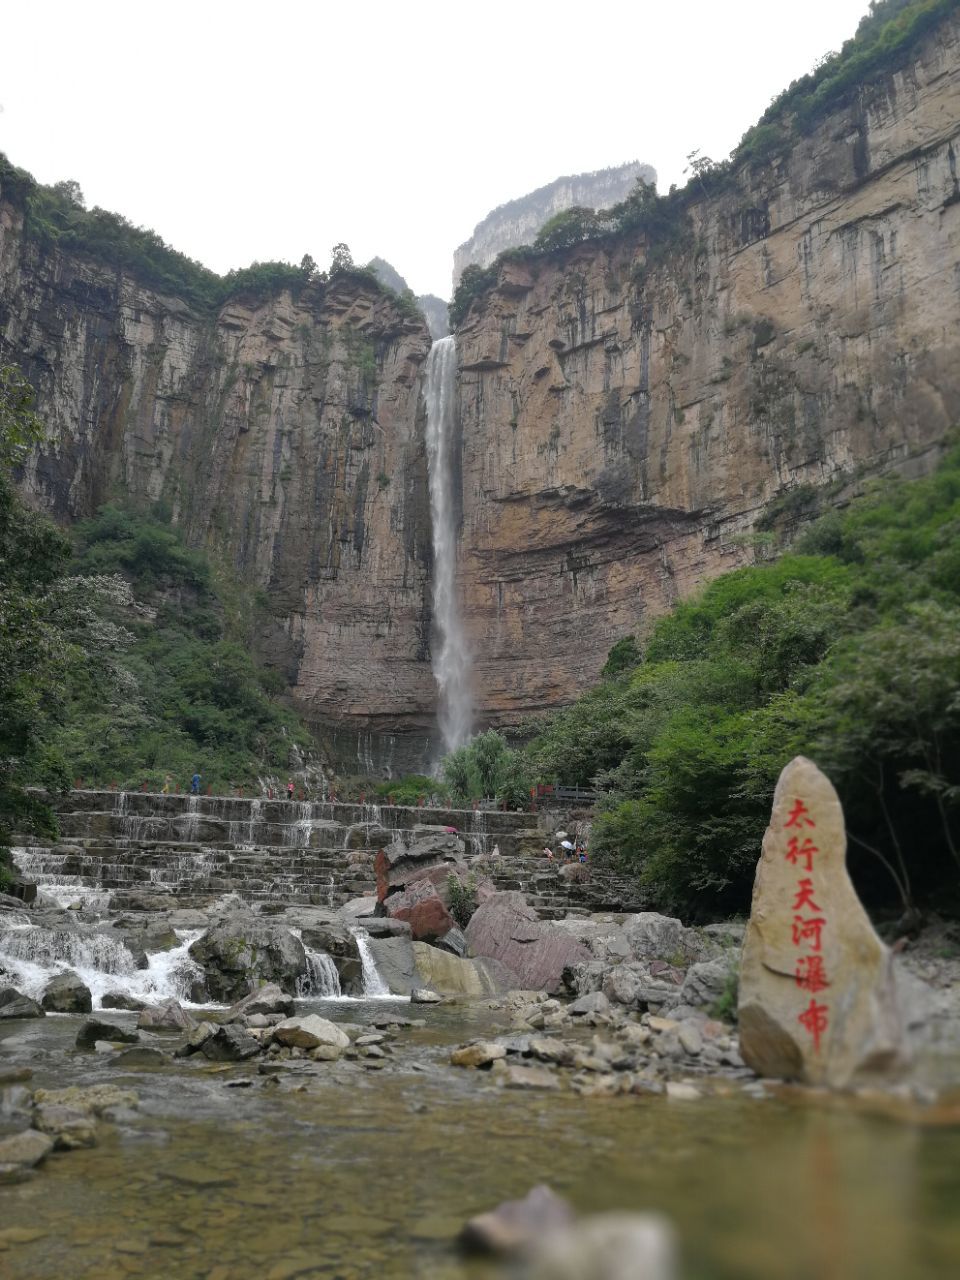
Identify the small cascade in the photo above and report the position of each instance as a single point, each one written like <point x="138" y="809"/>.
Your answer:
<point x="297" y="834"/>
<point x="242" y="832"/>
<point x="373" y="984"/>
<point x="451" y="657"/>
<point x="191" y="825"/>
<point x="321" y="981"/>
<point x="39" y="866"/>
<point x="32" y="954"/>
<point x="479" y="833"/>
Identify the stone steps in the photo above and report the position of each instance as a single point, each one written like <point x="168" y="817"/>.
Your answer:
<point x="196" y="850"/>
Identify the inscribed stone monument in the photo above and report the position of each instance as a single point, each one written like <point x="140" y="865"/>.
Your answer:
<point x="818" y="999"/>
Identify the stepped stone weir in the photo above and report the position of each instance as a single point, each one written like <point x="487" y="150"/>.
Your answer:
<point x="134" y="849"/>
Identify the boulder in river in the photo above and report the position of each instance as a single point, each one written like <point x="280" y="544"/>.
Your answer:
<point x="608" y="1246"/>
<point x="15" y="1005"/>
<point x="505" y="928"/>
<point x="20" y="1152"/>
<point x="168" y="1016"/>
<point x="95" y="1029"/>
<point x="266" y="999"/>
<point x="69" y="1126"/>
<point x="310" y="1033"/>
<point x="229" y="1044"/>
<point x="422" y="906"/>
<point x="241" y="952"/>
<point x="120" y="1000"/>
<point x="515" y="1226"/>
<point x="396" y="964"/>
<point x="67" y="993"/>
<point x="400" y="863"/>
<point x="817" y="998"/>
<point x="452" y="975"/>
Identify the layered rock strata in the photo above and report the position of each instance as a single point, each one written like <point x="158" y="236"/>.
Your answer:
<point x="631" y="414"/>
<point x="631" y="411"/>
<point x="281" y="432"/>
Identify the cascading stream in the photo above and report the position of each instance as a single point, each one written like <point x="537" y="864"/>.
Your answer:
<point x="451" y="657"/>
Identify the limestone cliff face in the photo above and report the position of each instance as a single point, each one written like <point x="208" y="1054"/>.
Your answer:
<point x="518" y="221"/>
<point x="628" y="414"/>
<point x="626" y="422"/>
<point x="282" y="432"/>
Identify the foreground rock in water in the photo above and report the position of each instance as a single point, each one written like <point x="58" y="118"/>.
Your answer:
<point x="309" y="1032"/>
<point x="818" y="997"/>
<point x="454" y="976"/>
<point x="67" y="993"/>
<point x="505" y="928"/>
<point x="95" y="1029"/>
<point x="608" y="1246"/>
<point x="20" y="1152"/>
<point x="516" y="1225"/>
<point x="15" y="1005"/>
<point x="168" y="1016"/>
<point x="268" y="999"/>
<point x="242" y="952"/>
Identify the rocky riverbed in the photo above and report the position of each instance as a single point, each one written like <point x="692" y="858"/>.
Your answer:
<point x="236" y="1089"/>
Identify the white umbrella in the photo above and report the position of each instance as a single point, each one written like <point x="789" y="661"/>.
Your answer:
<point x="565" y="844"/>
<point x="561" y="835"/>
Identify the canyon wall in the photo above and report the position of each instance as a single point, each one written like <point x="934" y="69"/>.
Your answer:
<point x="518" y="221"/>
<point x="282" y="433"/>
<point x="629" y="413"/>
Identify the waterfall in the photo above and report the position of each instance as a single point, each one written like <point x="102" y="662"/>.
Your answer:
<point x="31" y="955"/>
<point x="451" y="660"/>
<point x="373" y="984"/>
<point x="321" y="981"/>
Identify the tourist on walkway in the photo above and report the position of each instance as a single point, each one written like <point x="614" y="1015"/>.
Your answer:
<point x="195" y="785"/>
<point x="290" y="789"/>
<point x="165" y="789"/>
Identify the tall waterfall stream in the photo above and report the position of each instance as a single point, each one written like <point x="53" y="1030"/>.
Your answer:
<point x="451" y="657"/>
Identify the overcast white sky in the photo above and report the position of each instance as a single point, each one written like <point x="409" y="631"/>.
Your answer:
<point x="244" y="131"/>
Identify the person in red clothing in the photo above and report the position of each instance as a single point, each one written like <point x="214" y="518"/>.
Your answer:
<point x="290" y="789"/>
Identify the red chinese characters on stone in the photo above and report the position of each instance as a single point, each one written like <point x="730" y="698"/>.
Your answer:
<point x="815" y="1019"/>
<point x="811" y="929"/>
<point x="804" y="896"/>
<point x="810" y="974"/>
<point x="799" y="816"/>
<point x="805" y="850"/>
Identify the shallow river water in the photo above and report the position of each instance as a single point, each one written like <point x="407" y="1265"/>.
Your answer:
<point x="372" y="1174"/>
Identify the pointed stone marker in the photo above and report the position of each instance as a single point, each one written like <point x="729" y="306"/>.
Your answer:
<point x="818" y="999"/>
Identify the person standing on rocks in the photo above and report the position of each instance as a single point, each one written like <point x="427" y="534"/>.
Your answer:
<point x="290" y="789"/>
<point x="195" y="785"/>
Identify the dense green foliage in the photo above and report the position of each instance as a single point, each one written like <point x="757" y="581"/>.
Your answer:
<point x="56" y="216"/>
<point x="488" y="767"/>
<point x="847" y="650"/>
<point x="885" y="36"/>
<point x="883" y="41"/>
<point x="50" y="633"/>
<point x="195" y="698"/>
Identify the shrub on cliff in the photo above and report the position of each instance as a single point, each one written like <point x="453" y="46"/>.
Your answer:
<point x="195" y="696"/>
<point x="847" y="650"/>
<point x="52" y="633"/>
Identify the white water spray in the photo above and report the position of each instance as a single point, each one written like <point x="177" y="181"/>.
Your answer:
<point x="373" y="984"/>
<point x="451" y="658"/>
